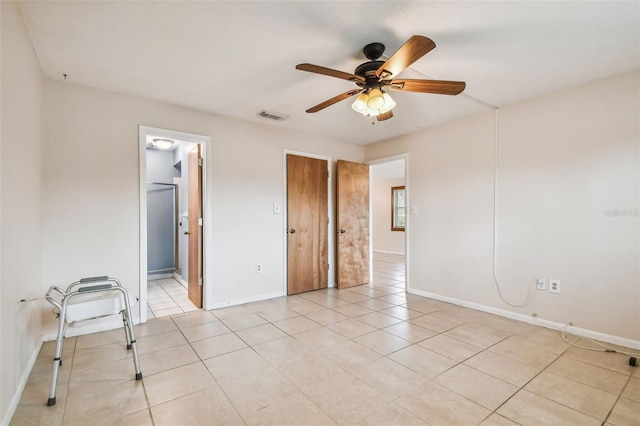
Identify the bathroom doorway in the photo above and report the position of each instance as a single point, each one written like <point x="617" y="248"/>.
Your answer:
<point x="171" y="221"/>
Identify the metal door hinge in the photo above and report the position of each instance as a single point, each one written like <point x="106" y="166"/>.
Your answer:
<point x="200" y="281"/>
<point x="200" y="162"/>
<point x="199" y="221"/>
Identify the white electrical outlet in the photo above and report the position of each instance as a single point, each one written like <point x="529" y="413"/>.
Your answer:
<point x="542" y="284"/>
<point x="554" y="285"/>
<point x="258" y="268"/>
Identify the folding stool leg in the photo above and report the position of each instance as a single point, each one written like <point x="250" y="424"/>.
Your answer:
<point x="131" y="336"/>
<point x="57" y="359"/>
<point x="64" y="334"/>
<point x="126" y="330"/>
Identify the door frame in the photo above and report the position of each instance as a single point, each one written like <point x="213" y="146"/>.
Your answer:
<point x="330" y="236"/>
<point x="407" y="233"/>
<point x="207" y="238"/>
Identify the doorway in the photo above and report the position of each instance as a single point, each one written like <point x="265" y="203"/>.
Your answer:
<point x="172" y="221"/>
<point x="390" y="213"/>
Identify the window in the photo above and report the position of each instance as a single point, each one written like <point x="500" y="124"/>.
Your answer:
<point x="398" y="208"/>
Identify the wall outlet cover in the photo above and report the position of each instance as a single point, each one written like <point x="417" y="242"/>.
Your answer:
<point x="554" y="285"/>
<point x="542" y="284"/>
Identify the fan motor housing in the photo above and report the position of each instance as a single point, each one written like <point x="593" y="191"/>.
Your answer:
<point x="372" y="51"/>
<point x="368" y="72"/>
<point x="368" y="68"/>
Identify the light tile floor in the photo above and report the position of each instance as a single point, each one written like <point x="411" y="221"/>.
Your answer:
<point x="365" y="356"/>
<point x="167" y="297"/>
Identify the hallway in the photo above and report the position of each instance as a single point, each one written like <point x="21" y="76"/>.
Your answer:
<point x="388" y="269"/>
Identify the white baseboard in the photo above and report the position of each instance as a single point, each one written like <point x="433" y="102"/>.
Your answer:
<point x="243" y="301"/>
<point x="22" y="383"/>
<point x="182" y="282"/>
<point x="602" y="337"/>
<point x="159" y="276"/>
<point x="389" y="252"/>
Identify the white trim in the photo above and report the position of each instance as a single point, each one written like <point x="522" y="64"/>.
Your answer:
<point x="331" y="254"/>
<point x="142" y="170"/>
<point x="22" y="383"/>
<point x="388" y="252"/>
<point x="182" y="282"/>
<point x="596" y="335"/>
<point x="407" y="228"/>
<point x="205" y="141"/>
<point x="236" y="302"/>
<point x="160" y="276"/>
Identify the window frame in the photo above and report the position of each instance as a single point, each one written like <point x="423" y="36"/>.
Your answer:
<point x="394" y="208"/>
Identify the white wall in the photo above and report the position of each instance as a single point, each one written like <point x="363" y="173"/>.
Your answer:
<point x="566" y="162"/>
<point x="91" y="186"/>
<point x="20" y="167"/>
<point x="160" y="166"/>
<point x="383" y="238"/>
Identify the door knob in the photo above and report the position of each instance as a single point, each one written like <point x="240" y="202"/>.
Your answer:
<point x="341" y="231"/>
<point x="292" y="231"/>
<point x="186" y="232"/>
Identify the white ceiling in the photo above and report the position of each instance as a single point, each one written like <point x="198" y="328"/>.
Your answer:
<point x="238" y="58"/>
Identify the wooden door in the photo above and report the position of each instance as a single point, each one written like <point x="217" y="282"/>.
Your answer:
<point x="352" y="219"/>
<point x="195" y="227"/>
<point x="307" y="223"/>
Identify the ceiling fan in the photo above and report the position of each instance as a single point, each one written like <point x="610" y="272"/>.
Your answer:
<point x="374" y="76"/>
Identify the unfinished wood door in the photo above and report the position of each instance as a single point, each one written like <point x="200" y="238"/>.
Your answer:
<point x="352" y="220"/>
<point x="195" y="227"/>
<point x="307" y="223"/>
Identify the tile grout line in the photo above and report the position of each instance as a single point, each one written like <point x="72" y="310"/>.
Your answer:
<point x="522" y="388"/>
<point x="209" y="371"/>
<point x="618" y="398"/>
<point x="73" y="356"/>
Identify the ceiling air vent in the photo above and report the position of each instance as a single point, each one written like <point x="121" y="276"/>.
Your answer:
<point x="272" y="116"/>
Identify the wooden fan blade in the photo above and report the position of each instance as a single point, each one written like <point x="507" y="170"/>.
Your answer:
<point x="440" y="87"/>
<point x="384" y="116"/>
<point x="334" y="100"/>
<point x="330" y="72"/>
<point x="415" y="48"/>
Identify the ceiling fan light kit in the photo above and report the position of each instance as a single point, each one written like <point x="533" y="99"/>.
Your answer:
<point x="373" y="103"/>
<point x="371" y="77"/>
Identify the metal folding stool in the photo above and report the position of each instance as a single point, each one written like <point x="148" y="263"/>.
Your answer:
<point x="90" y="298"/>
